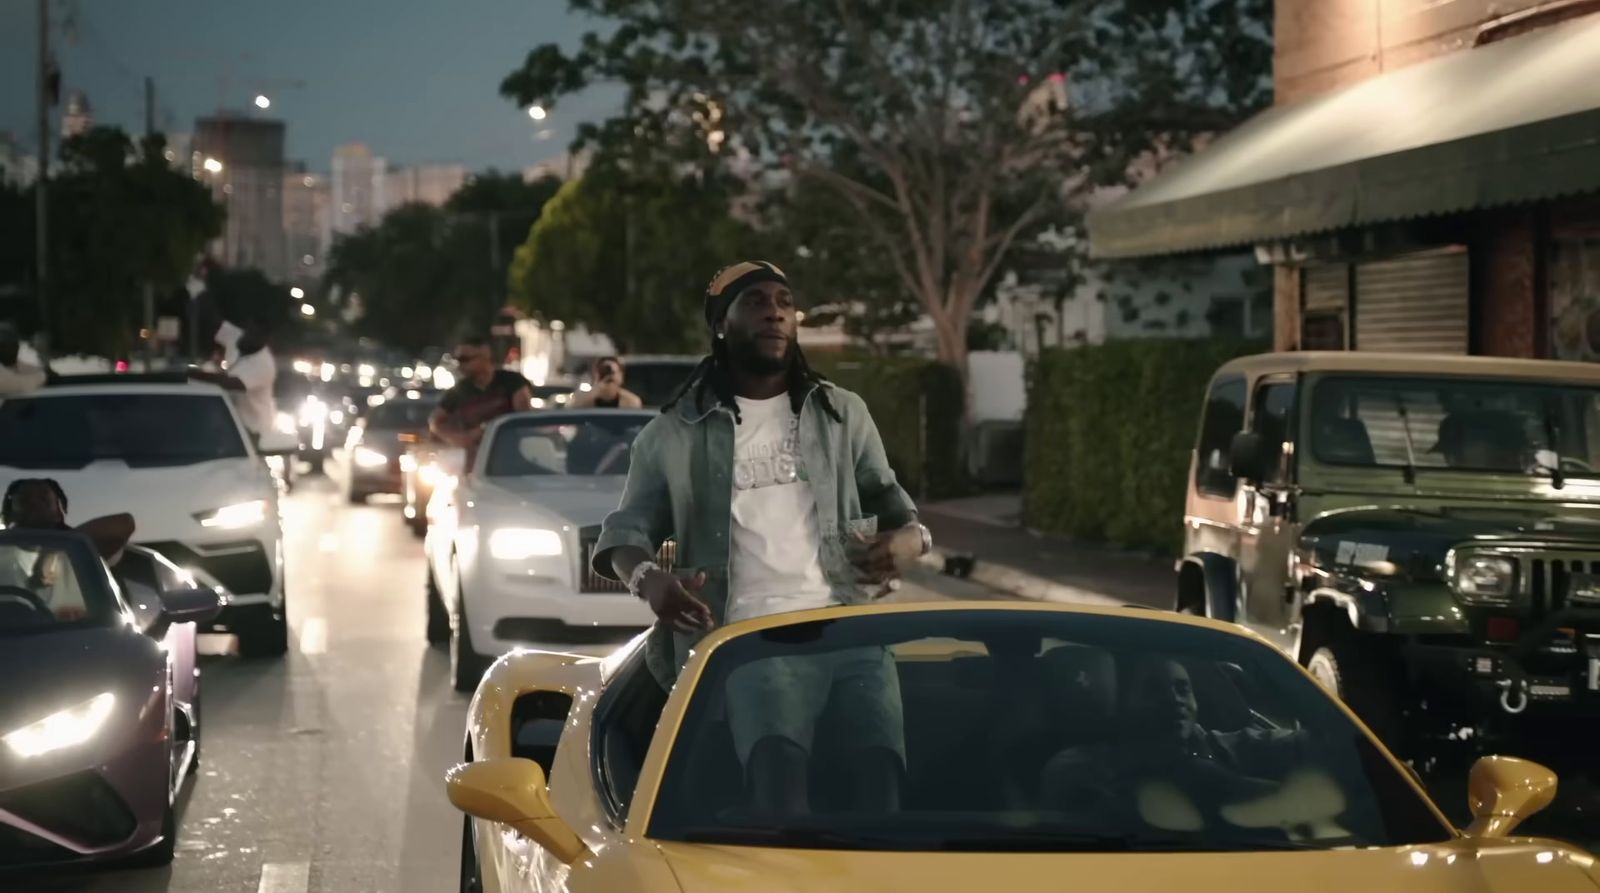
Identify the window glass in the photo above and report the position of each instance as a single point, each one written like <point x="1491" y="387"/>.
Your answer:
<point x="142" y="430"/>
<point x="50" y="582"/>
<point x="1273" y="420"/>
<point x="1222" y="418"/>
<point x="565" y="444"/>
<point x="1053" y="732"/>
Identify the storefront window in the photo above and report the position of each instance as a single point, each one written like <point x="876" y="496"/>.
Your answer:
<point x="1574" y="273"/>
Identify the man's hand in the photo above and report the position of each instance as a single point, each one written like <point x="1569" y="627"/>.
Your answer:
<point x="671" y="597"/>
<point x="881" y="558"/>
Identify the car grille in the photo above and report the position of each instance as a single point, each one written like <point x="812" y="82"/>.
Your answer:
<point x="242" y="566"/>
<point x="1550" y="579"/>
<point x="589" y="581"/>
<point x="80" y="807"/>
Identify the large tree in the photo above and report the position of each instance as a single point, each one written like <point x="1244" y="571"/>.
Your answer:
<point x="120" y="219"/>
<point x="628" y="250"/>
<point x="972" y="120"/>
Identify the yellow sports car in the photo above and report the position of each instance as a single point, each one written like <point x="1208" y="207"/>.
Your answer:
<point x="930" y="747"/>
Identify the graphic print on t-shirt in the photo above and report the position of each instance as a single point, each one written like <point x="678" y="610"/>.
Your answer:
<point x="769" y="463"/>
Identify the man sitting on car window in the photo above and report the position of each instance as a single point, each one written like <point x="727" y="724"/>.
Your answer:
<point x="1158" y="733"/>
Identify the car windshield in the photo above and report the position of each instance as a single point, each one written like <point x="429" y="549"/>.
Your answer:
<point x="1456" y="424"/>
<point x="143" y="430"/>
<point x="1026" y="730"/>
<point x="48" y="583"/>
<point x="655" y="381"/>
<point x="402" y="414"/>
<point x="565" y="444"/>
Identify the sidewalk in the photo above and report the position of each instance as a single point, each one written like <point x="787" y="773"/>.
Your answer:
<point x="1018" y="562"/>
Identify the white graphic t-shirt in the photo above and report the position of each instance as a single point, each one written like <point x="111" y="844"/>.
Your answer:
<point x="775" y="564"/>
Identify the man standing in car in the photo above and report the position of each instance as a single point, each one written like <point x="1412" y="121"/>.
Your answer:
<point x="774" y="484"/>
<point x="606" y="391"/>
<point x="251" y="371"/>
<point x="483" y="394"/>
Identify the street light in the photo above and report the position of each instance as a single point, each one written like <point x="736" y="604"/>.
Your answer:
<point x="537" y="112"/>
<point x="262" y="102"/>
<point x="298" y="293"/>
<point x="307" y="310"/>
<point x="212" y="165"/>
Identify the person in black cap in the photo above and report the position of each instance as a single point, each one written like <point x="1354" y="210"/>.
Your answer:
<point x="773" y="482"/>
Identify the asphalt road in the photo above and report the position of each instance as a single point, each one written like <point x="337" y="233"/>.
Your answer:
<point x="324" y="771"/>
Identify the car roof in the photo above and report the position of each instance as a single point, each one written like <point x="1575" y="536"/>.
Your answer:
<point x="1356" y="361"/>
<point x="85" y="385"/>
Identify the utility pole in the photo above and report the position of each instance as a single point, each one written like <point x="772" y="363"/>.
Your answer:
<point x="149" y="290"/>
<point x="40" y="188"/>
<point x="498" y="283"/>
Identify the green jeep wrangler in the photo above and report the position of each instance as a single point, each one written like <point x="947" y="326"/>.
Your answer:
<point x="1421" y="532"/>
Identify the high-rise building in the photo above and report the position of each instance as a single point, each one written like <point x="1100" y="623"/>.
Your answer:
<point x="242" y="160"/>
<point x="359" y="180"/>
<point x="77" y="117"/>
<point x="431" y="184"/>
<point x="307" y="224"/>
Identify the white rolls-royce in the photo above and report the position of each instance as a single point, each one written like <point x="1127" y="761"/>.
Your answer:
<point x="509" y="539"/>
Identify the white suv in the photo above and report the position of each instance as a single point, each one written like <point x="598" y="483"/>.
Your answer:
<point x="174" y="455"/>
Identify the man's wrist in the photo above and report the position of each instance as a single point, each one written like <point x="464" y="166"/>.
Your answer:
<point x="636" y="577"/>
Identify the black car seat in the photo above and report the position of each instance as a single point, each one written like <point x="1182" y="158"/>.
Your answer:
<point x="1070" y="702"/>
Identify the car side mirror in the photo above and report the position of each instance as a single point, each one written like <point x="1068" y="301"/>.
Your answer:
<point x="1246" y="457"/>
<point x="1504" y="792"/>
<point x="512" y="791"/>
<point x="190" y="605"/>
<point x="278" y="443"/>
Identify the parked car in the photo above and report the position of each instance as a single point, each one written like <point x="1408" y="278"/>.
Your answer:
<point x="376" y="444"/>
<point x="508" y="548"/>
<point x="100" y="711"/>
<point x="174" y="452"/>
<point x="1038" y="747"/>
<point x="1421" y="532"/>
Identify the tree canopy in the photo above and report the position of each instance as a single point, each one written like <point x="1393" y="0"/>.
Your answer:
<point x="951" y="130"/>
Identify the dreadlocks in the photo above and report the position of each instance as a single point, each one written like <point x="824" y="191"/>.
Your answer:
<point x="8" y="506"/>
<point x="715" y="374"/>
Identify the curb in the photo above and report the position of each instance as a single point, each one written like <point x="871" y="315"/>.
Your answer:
<point x="1020" y="584"/>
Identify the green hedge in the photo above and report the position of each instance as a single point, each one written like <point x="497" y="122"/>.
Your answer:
<point x="917" y="405"/>
<point x="1109" y="432"/>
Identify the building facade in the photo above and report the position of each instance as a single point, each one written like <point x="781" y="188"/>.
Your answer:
<point x="359" y="179"/>
<point x="1428" y="180"/>
<point x="430" y="184"/>
<point x="307" y="225"/>
<point x="241" y="158"/>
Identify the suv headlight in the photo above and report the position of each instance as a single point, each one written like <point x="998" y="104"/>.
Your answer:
<point x="1487" y="579"/>
<point x="367" y="457"/>
<point x="235" y="516"/>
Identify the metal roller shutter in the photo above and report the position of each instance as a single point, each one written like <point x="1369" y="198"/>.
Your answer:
<point x="1413" y="304"/>
<point x="1325" y="297"/>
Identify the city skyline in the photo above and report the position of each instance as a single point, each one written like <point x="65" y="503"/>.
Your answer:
<point x="420" y="85"/>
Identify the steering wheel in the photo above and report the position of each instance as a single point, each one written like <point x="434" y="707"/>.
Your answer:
<point x="18" y="595"/>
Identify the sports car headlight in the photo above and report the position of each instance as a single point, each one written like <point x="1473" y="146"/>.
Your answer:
<point x="235" y="516"/>
<point x="519" y="543"/>
<point x="367" y="457"/>
<point x="1487" y="579"/>
<point x="64" y="728"/>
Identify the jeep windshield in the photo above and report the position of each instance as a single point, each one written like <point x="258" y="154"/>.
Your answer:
<point x="1448" y="424"/>
<point x="143" y="430"/>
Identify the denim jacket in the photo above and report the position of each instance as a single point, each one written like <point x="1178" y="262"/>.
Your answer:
<point x="680" y="487"/>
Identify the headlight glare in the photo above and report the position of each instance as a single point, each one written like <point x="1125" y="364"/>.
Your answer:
<point x="367" y="457"/>
<point x="235" y="516"/>
<point x="1486" y="578"/>
<point x="64" y="728"/>
<point x="521" y="543"/>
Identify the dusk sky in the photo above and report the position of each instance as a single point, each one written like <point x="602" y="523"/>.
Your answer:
<point x="416" y="80"/>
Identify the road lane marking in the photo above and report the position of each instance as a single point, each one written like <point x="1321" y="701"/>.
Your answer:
<point x="285" y="877"/>
<point x="314" y="636"/>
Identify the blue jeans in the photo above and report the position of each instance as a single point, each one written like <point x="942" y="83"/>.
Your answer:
<point x="786" y="696"/>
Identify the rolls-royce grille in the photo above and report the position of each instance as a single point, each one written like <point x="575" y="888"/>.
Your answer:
<point x="593" y="582"/>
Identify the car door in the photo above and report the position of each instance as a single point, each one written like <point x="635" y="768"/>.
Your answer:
<point x="1267" y="530"/>
<point x="1211" y="516"/>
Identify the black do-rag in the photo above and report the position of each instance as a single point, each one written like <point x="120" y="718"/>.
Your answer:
<point x="731" y="281"/>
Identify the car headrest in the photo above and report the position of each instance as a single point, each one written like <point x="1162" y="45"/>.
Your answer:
<point x="1084" y="679"/>
<point x="1344" y="441"/>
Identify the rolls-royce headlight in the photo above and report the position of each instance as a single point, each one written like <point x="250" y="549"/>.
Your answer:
<point x="521" y="543"/>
